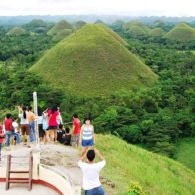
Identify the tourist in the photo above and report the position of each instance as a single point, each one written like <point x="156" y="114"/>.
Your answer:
<point x="2" y="136"/>
<point x="15" y="127"/>
<point x="23" y="115"/>
<point x="76" y="130"/>
<point x="51" y="134"/>
<point x="9" y="131"/>
<point x="87" y="137"/>
<point x="90" y="170"/>
<point x="67" y="137"/>
<point x="61" y="134"/>
<point x="31" y="120"/>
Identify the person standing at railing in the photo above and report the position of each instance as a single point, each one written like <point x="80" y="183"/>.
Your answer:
<point x="31" y="120"/>
<point x="23" y="115"/>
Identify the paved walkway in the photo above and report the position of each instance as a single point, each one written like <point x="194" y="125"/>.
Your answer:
<point x="21" y="190"/>
<point x="60" y="158"/>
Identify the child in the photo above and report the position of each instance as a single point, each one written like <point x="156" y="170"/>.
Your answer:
<point x="67" y="137"/>
<point x="61" y="134"/>
<point x="2" y="136"/>
<point x="15" y="126"/>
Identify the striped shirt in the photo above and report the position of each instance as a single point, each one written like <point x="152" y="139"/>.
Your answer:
<point x="87" y="133"/>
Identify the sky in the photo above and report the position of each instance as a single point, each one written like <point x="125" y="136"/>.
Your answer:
<point x="98" y="7"/>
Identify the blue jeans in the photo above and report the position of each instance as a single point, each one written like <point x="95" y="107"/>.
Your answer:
<point x="95" y="191"/>
<point x="32" y="131"/>
<point x="8" y="134"/>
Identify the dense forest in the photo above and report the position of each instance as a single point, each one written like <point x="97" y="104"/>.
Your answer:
<point x="155" y="118"/>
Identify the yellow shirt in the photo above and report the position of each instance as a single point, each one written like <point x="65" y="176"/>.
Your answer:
<point x="31" y="116"/>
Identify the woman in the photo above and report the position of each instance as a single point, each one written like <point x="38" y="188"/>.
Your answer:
<point x="23" y="115"/>
<point x="51" y="134"/>
<point x="87" y="136"/>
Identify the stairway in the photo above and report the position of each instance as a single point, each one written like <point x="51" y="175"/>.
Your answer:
<point x="19" y="180"/>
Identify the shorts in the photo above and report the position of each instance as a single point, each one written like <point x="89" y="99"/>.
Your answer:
<point x="53" y="127"/>
<point x="86" y="143"/>
<point x="25" y="129"/>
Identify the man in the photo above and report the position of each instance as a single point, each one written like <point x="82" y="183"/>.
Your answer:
<point x="9" y="131"/>
<point x="91" y="170"/>
<point x="76" y="130"/>
<point x="31" y="120"/>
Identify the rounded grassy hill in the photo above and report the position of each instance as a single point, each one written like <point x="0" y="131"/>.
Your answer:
<point x="93" y="61"/>
<point x="16" y="31"/>
<point x="181" y="32"/>
<point x="157" y="32"/>
<point x="62" y="25"/>
<point x="136" y="28"/>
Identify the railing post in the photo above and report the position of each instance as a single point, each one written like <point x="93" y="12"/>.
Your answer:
<point x="36" y="122"/>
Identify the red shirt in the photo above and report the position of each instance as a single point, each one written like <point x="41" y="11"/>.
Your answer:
<point x="53" y="119"/>
<point x="8" y="124"/>
<point x="1" y="133"/>
<point x="77" y="126"/>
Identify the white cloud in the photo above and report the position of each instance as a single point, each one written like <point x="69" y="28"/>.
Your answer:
<point x="121" y="7"/>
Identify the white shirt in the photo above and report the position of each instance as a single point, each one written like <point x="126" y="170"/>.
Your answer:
<point x="24" y="121"/>
<point x="91" y="174"/>
<point x="15" y="126"/>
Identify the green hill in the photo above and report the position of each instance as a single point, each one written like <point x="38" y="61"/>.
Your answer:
<point x="157" y="32"/>
<point x="79" y="24"/>
<point x="185" y="152"/>
<point x="16" y="31"/>
<point x="136" y="28"/>
<point x="37" y="23"/>
<point x="62" y="34"/>
<point x="156" y="174"/>
<point x="181" y="32"/>
<point x="59" y="27"/>
<point x="93" y="61"/>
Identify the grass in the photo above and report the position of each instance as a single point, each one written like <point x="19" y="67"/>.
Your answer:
<point x="92" y="61"/>
<point x="186" y="152"/>
<point x="59" y="27"/>
<point x="156" y="174"/>
<point x="181" y="32"/>
<point x="157" y="32"/>
<point x="16" y="31"/>
<point x="137" y="28"/>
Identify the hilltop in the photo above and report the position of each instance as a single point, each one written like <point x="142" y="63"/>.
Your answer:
<point x="16" y="31"/>
<point x="181" y="32"/>
<point x="156" y="174"/>
<point x="93" y="61"/>
<point x="62" y="25"/>
<point x="136" y="28"/>
<point x="157" y="32"/>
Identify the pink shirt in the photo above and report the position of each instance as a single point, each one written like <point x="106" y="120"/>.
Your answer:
<point x="53" y="119"/>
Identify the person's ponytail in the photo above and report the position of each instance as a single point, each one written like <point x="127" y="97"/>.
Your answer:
<point x="24" y="114"/>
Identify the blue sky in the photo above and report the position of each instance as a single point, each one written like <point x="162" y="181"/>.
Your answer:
<point x="106" y="7"/>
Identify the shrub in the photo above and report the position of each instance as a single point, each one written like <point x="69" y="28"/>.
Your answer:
<point x="135" y="189"/>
